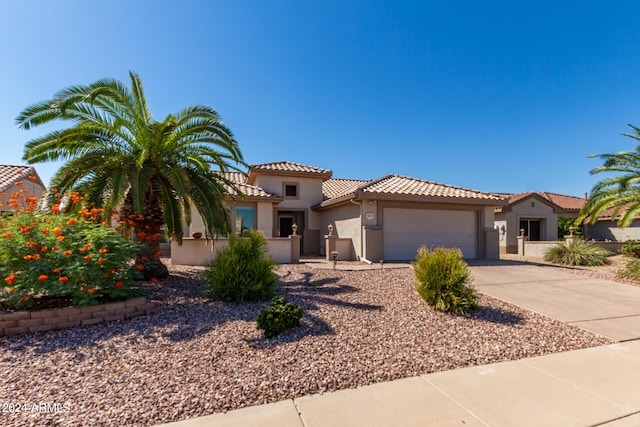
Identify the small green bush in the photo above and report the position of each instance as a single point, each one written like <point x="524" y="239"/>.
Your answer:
<point x="577" y="252"/>
<point x="443" y="280"/>
<point x="631" y="270"/>
<point x="631" y="248"/>
<point x="564" y="228"/>
<point x="278" y="317"/>
<point x="242" y="271"/>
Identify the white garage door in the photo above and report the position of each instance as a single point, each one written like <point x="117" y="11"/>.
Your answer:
<point x="405" y="230"/>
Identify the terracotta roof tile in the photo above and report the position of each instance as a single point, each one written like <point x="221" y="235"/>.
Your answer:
<point x="287" y="169"/>
<point x="10" y="174"/>
<point x="403" y="185"/>
<point x="336" y="187"/>
<point x="240" y="181"/>
<point x="564" y="202"/>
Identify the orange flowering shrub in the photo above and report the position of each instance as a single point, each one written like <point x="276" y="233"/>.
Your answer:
<point x="62" y="255"/>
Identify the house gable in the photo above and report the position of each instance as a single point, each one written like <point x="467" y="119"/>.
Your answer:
<point x="26" y="176"/>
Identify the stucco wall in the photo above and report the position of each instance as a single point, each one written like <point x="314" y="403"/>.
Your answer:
<point x="524" y="210"/>
<point x="264" y="218"/>
<point x="346" y="224"/>
<point x="202" y="251"/>
<point x="309" y="194"/>
<point x="609" y="230"/>
<point x="32" y="190"/>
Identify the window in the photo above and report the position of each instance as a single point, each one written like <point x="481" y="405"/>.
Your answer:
<point x="245" y="219"/>
<point x="291" y="190"/>
<point x="532" y="229"/>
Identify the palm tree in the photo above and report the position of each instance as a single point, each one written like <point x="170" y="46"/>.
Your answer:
<point x="116" y="154"/>
<point x="619" y="192"/>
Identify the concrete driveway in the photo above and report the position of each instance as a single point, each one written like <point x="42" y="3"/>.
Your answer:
<point x="605" y="307"/>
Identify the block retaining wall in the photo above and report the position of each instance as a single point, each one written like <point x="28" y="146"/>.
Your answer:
<point x="21" y="322"/>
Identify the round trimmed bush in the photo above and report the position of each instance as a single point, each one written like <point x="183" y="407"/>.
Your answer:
<point x="242" y="271"/>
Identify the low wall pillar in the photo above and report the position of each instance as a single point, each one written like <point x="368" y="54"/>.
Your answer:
<point x="331" y="242"/>
<point x="521" y="239"/>
<point x="295" y="248"/>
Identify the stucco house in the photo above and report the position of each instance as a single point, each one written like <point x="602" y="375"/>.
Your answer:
<point x="606" y="229"/>
<point x="27" y="178"/>
<point x="372" y="220"/>
<point x="536" y="213"/>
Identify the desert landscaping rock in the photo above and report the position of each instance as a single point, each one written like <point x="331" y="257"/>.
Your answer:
<point x="195" y="357"/>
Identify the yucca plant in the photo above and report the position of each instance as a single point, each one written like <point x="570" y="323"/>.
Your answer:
<point x="577" y="252"/>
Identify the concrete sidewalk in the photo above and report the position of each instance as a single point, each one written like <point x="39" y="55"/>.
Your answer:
<point x="591" y="387"/>
<point x="595" y="386"/>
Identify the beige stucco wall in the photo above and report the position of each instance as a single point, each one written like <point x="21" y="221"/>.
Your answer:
<point x="197" y="225"/>
<point x="372" y="243"/>
<point x="346" y="224"/>
<point x="202" y="251"/>
<point x="264" y="218"/>
<point x="309" y="192"/>
<point x="32" y="189"/>
<point x="609" y="230"/>
<point x="524" y="210"/>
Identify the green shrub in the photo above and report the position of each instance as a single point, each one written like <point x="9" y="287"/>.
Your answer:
<point x="630" y="271"/>
<point x="62" y="257"/>
<point x="242" y="271"/>
<point x="278" y="317"/>
<point x="564" y="227"/>
<point x="443" y="280"/>
<point x="631" y="248"/>
<point x="577" y="252"/>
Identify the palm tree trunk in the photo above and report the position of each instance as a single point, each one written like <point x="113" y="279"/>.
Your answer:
<point x="146" y="232"/>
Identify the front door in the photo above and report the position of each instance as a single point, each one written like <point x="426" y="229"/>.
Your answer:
<point x="286" y="226"/>
<point x="531" y="229"/>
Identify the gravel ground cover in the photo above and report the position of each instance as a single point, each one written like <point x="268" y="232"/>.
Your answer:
<point x="196" y="357"/>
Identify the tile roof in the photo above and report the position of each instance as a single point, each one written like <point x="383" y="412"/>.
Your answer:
<point x="608" y="213"/>
<point x="564" y="202"/>
<point x="337" y="187"/>
<point x="287" y="169"/>
<point x="404" y="185"/>
<point x="337" y="190"/>
<point x="250" y="191"/>
<point x="10" y="174"/>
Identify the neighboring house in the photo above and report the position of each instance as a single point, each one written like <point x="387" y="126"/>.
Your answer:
<point x="606" y="229"/>
<point x="384" y="219"/>
<point x="27" y="179"/>
<point x="536" y="213"/>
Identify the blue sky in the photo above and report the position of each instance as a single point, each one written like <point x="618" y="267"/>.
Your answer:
<point x="498" y="96"/>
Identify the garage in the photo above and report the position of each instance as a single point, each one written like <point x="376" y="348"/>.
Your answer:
<point x="405" y="230"/>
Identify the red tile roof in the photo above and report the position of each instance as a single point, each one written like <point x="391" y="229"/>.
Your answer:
<point x="398" y="184"/>
<point x="250" y="191"/>
<point x="561" y="201"/>
<point x="337" y="190"/>
<point x="10" y="174"/>
<point x="287" y="169"/>
<point x="336" y="187"/>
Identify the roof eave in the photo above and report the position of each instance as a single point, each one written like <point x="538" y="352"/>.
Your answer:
<point x="253" y="173"/>
<point x="432" y="199"/>
<point x="272" y="199"/>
